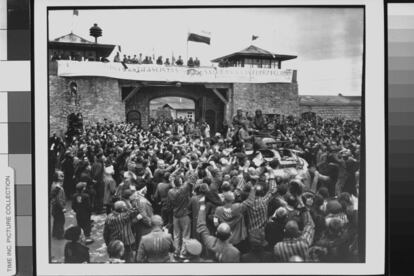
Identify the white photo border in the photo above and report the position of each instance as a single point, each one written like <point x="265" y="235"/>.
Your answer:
<point x="374" y="153"/>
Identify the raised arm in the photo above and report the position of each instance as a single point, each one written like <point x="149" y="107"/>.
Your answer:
<point x="202" y="229"/>
<point x="309" y="228"/>
<point x="248" y="202"/>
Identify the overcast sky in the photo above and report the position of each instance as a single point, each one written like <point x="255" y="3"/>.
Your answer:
<point x="328" y="42"/>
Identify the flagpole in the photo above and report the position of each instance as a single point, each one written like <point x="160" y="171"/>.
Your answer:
<point x="73" y="19"/>
<point x="74" y="13"/>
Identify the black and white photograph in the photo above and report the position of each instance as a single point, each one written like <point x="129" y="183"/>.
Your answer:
<point x="205" y="134"/>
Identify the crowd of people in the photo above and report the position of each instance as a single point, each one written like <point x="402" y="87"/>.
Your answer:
<point x="174" y="193"/>
<point x="127" y="59"/>
<point x="140" y="59"/>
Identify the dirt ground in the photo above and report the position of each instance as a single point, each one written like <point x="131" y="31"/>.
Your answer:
<point x="97" y="250"/>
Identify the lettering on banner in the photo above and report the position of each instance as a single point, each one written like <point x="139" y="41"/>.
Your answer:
<point x="173" y="73"/>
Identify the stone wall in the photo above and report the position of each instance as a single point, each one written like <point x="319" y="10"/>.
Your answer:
<point x="352" y="112"/>
<point x="271" y="98"/>
<point x="97" y="98"/>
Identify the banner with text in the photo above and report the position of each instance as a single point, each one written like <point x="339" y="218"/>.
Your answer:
<point x="152" y="72"/>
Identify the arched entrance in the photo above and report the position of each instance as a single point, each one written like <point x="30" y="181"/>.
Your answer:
<point x="134" y="116"/>
<point x="204" y="99"/>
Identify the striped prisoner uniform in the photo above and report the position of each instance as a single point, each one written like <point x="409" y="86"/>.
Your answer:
<point x="297" y="246"/>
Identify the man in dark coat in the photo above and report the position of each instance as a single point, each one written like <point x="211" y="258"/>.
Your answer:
<point x="57" y="202"/>
<point x="97" y="178"/>
<point x="82" y="207"/>
<point x="68" y="171"/>
<point x="75" y="252"/>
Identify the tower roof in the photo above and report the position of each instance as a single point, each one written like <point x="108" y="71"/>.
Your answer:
<point x="72" y="38"/>
<point x="255" y="52"/>
<point x="74" y="42"/>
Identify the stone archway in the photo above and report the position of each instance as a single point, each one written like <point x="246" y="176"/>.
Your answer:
<point x="204" y="99"/>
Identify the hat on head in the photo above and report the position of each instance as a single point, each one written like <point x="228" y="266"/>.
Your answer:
<point x="204" y="188"/>
<point x="295" y="187"/>
<point x="193" y="247"/>
<point x="127" y="193"/>
<point x="281" y="212"/>
<point x="72" y="233"/>
<point x="80" y="185"/>
<point x="335" y="225"/>
<point x="333" y="207"/>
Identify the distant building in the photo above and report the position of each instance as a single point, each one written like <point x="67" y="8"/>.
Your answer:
<point x="174" y="111"/>
<point x="331" y="106"/>
<point x="253" y="57"/>
<point x="245" y="80"/>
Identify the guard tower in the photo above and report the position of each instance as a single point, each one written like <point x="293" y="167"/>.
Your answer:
<point x="74" y="47"/>
<point x="253" y="57"/>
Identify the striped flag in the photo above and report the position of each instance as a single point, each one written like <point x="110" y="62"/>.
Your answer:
<point x="254" y="37"/>
<point x="200" y="36"/>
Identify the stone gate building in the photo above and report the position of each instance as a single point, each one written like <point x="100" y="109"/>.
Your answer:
<point x="250" y="79"/>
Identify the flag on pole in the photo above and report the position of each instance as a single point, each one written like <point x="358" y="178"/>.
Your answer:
<point x="254" y="37"/>
<point x="75" y="13"/>
<point x="200" y="36"/>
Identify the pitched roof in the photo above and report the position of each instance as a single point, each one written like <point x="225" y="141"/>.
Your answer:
<point x="74" y="42"/>
<point x="329" y="100"/>
<point x="72" y="38"/>
<point x="179" y="106"/>
<point x="255" y="52"/>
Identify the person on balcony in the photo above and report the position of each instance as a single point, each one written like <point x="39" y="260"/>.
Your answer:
<point x="159" y="60"/>
<point x="55" y="56"/>
<point x="117" y="58"/>
<point x="190" y="62"/>
<point x="167" y="61"/>
<point x="179" y="61"/>
<point x="197" y="62"/>
<point x="259" y="121"/>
